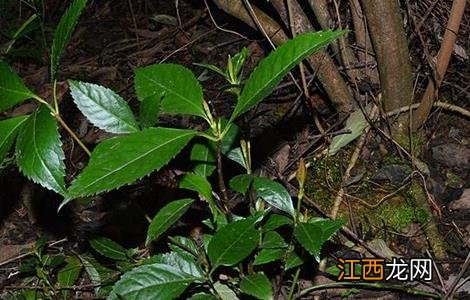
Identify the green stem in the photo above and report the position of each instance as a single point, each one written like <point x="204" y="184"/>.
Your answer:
<point x="370" y="286"/>
<point x="207" y="136"/>
<point x="56" y="114"/>
<point x="72" y="134"/>
<point x="54" y="96"/>
<point x="222" y="187"/>
<point x="294" y="283"/>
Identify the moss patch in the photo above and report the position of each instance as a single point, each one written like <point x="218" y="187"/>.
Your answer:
<point x="394" y="214"/>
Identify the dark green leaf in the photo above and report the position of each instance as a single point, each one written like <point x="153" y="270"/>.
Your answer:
<point x="241" y="183"/>
<point x="124" y="159"/>
<point x="68" y="275"/>
<point x="272" y="239"/>
<point x="313" y="236"/>
<point x="233" y="243"/>
<point x="274" y="193"/>
<point x="293" y="261"/>
<point x="198" y="184"/>
<point x="39" y="151"/>
<point x="99" y="275"/>
<point x="268" y="255"/>
<point x="12" y="88"/>
<point x="103" y="107"/>
<point x="276" y="65"/>
<point x="149" y="108"/>
<point x="187" y="243"/>
<point x="53" y="261"/>
<point x="229" y="137"/>
<point x="8" y="130"/>
<point x="236" y="155"/>
<point x="203" y="155"/>
<point x="108" y="248"/>
<point x="166" y="217"/>
<point x="175" y="85"/>
<point x="64" y="31"/>
<point x="275" y="221"/>
<point x="156" y="281"/>
<point x="257" y="285"/>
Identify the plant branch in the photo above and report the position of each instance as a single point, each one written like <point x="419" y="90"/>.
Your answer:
<point x="220" y="174"/>
<point x="72" y="134"/>
<point x="56" y="114"/>
<point x="443" y="58"/>
<point x="453" y="286"/>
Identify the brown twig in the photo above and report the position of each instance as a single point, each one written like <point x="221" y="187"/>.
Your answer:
<point x="443" y="58"/>
<point x="453" y="286"/>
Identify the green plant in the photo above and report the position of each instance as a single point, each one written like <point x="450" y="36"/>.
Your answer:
<point x="51" y="272"/>
<point x="240" y="245"/>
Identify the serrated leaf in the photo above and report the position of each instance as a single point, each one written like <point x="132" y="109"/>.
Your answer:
<point x="201" y="185"/>
<point x="241" y="183"/>
<point x="64" y="31"/>
<point x="39" y="151"/>
<point x="103" y="107"/>
<point x="133" y="156"/>
<point x="186" y="242"/>
<point x="156" y="281"/>
<point x="8" y="131"/>
<point x="149" y="108"/>
<point x="268" y="255"/>
<point x="274" y="194"/>
<point x="176" y="86"/>
<point x="233" y="243"/>
<point x="277" y="64"/>
<point x="275" y="221"/>
<point x="99" y="275"/>
<point x="312" y="236"/>
<point x="182" y="261"/>
<point x="12" y="88"/>
<point x="198" y="184"/>
<point x="108" y="248"/>
<point x="68" y="275"/>
<point x="356" y="123"/>
<point x="272" y="239"/>
<point x="293" y="261"/>
<point x="166" y="217"/>
<point x="257" y="285"/>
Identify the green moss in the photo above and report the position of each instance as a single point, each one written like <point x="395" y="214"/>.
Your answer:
<point x="324" y="179"/>
<point x="454" y="181"/>
<point x="398" y="214"/>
